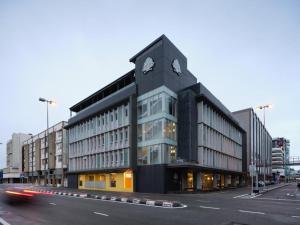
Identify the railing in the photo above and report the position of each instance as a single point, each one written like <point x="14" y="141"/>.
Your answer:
<point x="293" y="161"/>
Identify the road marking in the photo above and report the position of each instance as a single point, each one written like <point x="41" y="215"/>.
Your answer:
<point x="255" y="196"/>
<point x="240" y="196"/>
<point x="101" y="214"/>
<point x="208" y="207"/>
<point x="51" y="203"/>
<point x="245" y="211"/>
<point x="296" y="216"/>
<point x="279" y="199"/>
<point x="2" y="221"/>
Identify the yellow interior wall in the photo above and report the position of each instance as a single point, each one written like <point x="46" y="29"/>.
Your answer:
<point x="120" y="182"/>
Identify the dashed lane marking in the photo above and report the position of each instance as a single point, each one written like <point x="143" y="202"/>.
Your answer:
<point x="2" y="221"/>
<point x="296" y="216"/>
<point x="246" y="211"/>
<point x="208" y="207"/>
<point x="101" y="214"/>
<point x="51" y="203"/>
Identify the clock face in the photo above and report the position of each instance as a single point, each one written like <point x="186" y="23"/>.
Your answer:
<point x="176" y="66"/>
<point x="148" y="65"/>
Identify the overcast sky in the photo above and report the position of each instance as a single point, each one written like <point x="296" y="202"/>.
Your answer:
<point x="247" y="53"/>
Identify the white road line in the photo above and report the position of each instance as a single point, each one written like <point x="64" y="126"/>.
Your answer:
<point x="245" y="211"/>
<point x="279" y="199"/>
<point x="2" y="221"/>
<point x="208" y="207"/>
<point x="255" y="196"/>
<point x="51" y="203"/>
<point x="240" y="196"/>
<point x="101" y="214"/>
<point x="296" y="216"/>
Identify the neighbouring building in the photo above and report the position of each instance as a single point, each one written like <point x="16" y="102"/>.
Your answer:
<point x="258" y="142"/>
<point x="278" y="164"/>
<point x="46" y="162"/>
<point x="283" y="144"/>
<point x="1" y="176"/>
<point x="155" y="129"/>
<point x="13" y="171"/>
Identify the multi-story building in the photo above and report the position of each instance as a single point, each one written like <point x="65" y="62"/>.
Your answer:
<point x="277" y="163"/>
<point x="155" y="129"/>
<point x="258" y="142"/>
<point x="13" y="171"/>
<point x="45" y="162"/>
<point x="284" y="145"/>
<point x="1" y="176"/>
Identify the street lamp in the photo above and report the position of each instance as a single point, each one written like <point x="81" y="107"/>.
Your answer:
<point x="264" y="107"/>
<point x="48" y="102"/>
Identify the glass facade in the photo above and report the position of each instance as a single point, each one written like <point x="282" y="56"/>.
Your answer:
<point x="157" y="127"/>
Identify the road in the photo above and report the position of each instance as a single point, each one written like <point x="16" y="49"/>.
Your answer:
<point x="280" y="206"/>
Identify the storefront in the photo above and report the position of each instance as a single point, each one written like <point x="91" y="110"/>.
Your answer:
<point x="121" y="181"/>
<point x="200" y="179"/>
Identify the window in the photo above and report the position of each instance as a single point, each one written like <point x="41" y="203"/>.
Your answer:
<point x="113" y="182"/>
<point x="170" y="129"/>
<point x="116" y="137"/>
<point x="155" y="104"/>
<point x="171" y="149"/>
<point x="143" y="155"/>
<point x="60" y="158"/>
<point x="152" y="130"/>
<point x="142" y="109"/>
<point x="154" y="154"/>
<point x="171" y="105"/>
<point x="126" y="134"/>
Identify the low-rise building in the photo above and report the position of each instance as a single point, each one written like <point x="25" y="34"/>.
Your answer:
<point x="13" y="171"/>
<point x="46" y="162"/>
<point x="258" y="142"/>
<point x="155" y="129"/>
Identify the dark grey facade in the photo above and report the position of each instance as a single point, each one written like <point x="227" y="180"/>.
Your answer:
<point x="181" y="137"/>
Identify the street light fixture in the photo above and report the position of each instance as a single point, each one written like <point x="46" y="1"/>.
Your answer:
<point x="48" y="102"/>
<point x="264" y="107"/>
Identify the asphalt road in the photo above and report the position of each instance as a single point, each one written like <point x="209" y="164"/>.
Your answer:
<point x="280" y="206"/>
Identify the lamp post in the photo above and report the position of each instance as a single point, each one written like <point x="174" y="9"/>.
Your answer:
<point x="264" y="107"/>
<point x="51" y="102"/>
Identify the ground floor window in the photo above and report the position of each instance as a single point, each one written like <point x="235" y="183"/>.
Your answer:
<point x="113" y="182"/>
<point x="128" y="179"/>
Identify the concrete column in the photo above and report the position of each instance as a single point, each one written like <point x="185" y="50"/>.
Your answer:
<point x="199" y="181"/>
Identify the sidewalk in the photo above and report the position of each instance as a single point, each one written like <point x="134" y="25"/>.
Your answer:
<point x="274" y="187"/>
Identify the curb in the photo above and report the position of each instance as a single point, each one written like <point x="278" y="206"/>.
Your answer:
<point x="274" y="188"/>
<point x="135" y="201"/>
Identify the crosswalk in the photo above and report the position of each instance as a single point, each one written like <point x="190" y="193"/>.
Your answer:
<point x="248" y="196"/>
